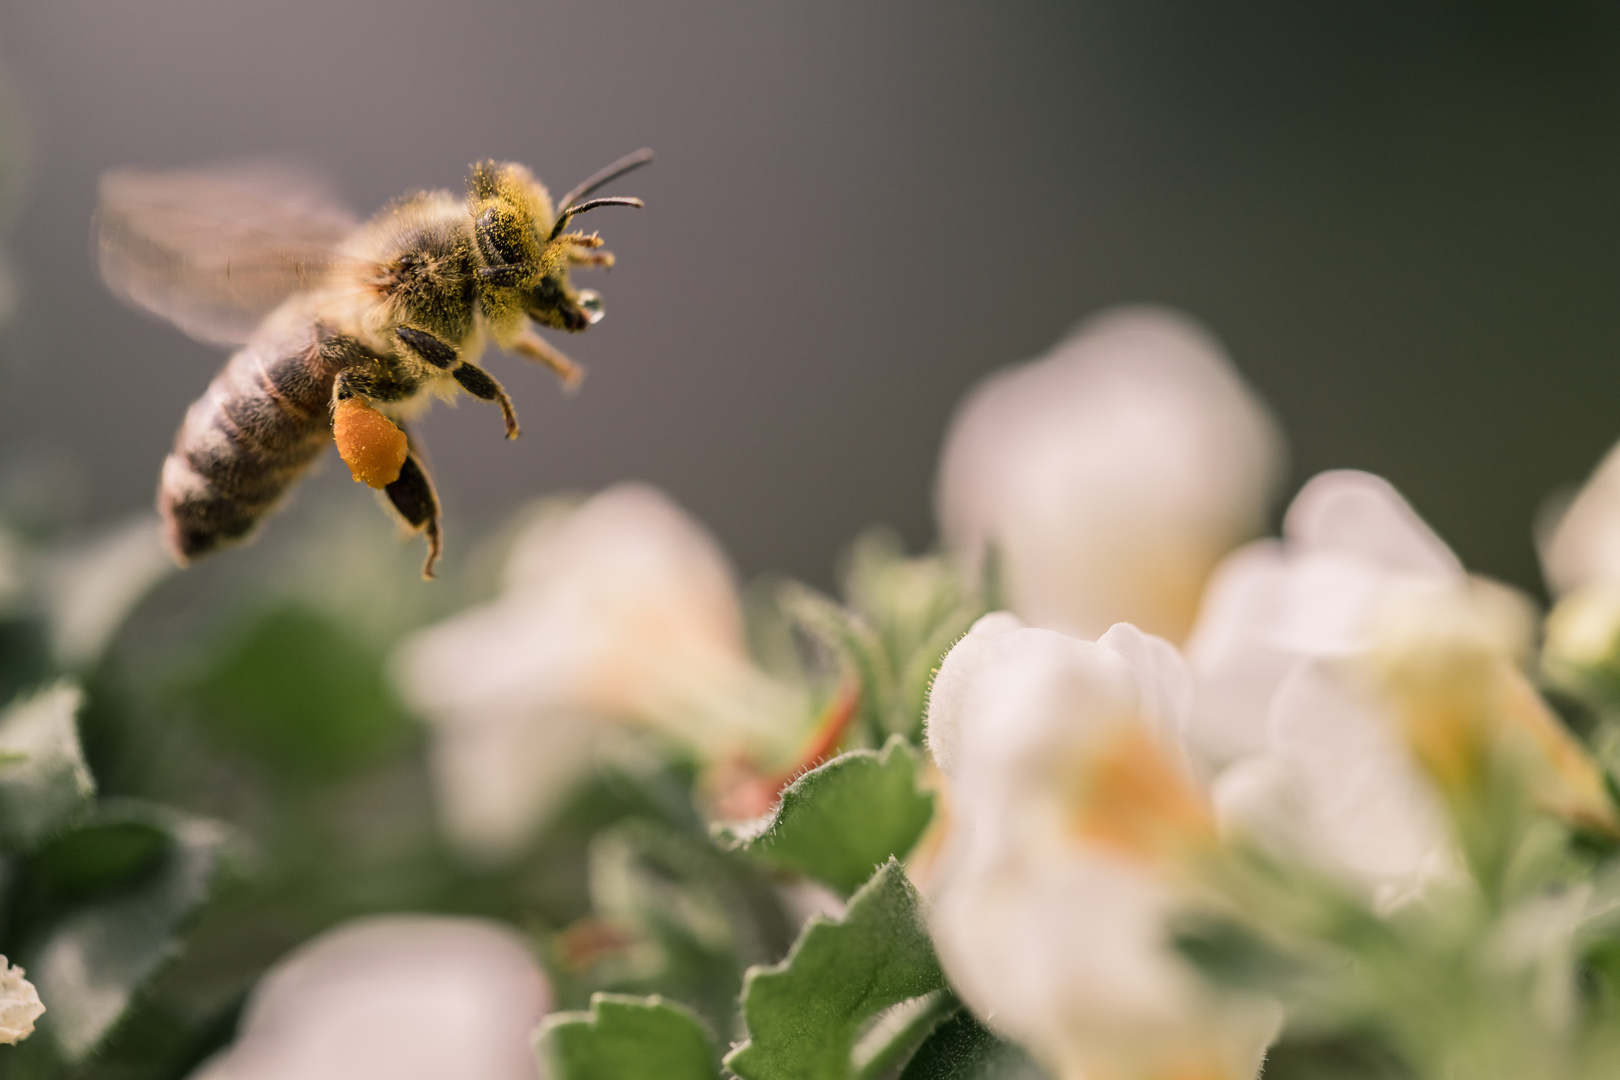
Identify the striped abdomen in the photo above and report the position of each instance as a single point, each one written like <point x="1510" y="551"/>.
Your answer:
<point x="261" y="423"/>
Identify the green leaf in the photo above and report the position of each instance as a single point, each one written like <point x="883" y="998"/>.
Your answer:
<point x="626" y="1038"/>
<point x="44" y="783"/>
<point x="96" y="857"/>
<point x="839" y="822"/>
<point x="296" y="691"/>
<point x="698" y="915"/>
<point x="805" y="1014"/>
<point x="25" y="654"/>
<point x="857" y="645"/>
<point x="897" y="1034"/>
<point x="1348" y="1056"/>
<point x="1229" y="954"/>
<point x="961" y="1048"/>
<point x="90" y="964"/>
<point x="918" y="607"/>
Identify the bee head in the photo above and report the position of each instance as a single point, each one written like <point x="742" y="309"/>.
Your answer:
<point x="524" y="254"/>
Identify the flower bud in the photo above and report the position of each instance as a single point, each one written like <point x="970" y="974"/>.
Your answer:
<point x="393" y="998"/>
<point x="619" y="613"/>
<point x="19" y="1004"/>
<point x="1107" y="479"/>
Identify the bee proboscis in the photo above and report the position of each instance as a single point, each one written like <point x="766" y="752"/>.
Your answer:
<point x="346" y="328"/>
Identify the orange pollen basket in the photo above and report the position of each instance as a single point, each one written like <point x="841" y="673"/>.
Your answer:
<point x="370" y="444"/>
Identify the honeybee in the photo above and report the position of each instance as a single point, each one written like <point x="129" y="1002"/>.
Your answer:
<point x="347" y="329"/>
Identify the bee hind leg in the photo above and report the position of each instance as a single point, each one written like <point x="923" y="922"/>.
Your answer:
<point x="482" y="385"/>
<point x="413" y="498"/>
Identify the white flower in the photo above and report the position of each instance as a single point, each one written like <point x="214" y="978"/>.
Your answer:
<point x="1273" y="653"/>
<point x="1353" y="551"/>
<point x="1580" y="543"/>
<point x="1110" y="476"/>
<point x="1072" y="816"/>
<point x="19" y="1004"/>
<point x="1340" y="789"/>
<point x="1372" y="680"/>
<point x="1580" y="556"/>
<point x="393" y="998"/>
<point x="621" y="610"/>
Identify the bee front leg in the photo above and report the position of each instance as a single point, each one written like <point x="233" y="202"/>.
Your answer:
<point x="482" y="385"/>
<point x="586" y="251"/>
<point x="532" y="346"/>
<point x="413" y="498"/>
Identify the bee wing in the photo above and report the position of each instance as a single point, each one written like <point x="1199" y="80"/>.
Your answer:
<point x="214" y="250"/>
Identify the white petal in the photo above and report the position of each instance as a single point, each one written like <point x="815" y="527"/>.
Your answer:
<point x="957" y="672"/>
<point x="1111" y="475"/>
<point x="19" y="1004"/>
<point x="1235" y="655"/>
<point x="1164" y="685"/>
<point x="1056" y="939"/>
<point x="499" y="778"/>
<point x="1353" y="550"/>
<point x="1071" y="959"/>
<point x="1259" y="799"/>
<point x="393" y="998"/>
<point x="1370" y="814"/>
<point x="1580" y="546"/>
<point x="1360" y="514"/>
<point x="619" y="611"/>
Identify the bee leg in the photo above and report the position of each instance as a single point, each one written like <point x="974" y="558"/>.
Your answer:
<point x="585" y="250"/>
<point x="532" y="346"/>
<point x="482" y="385"/>
<point x="413" y="498"/>
<point x="375" y="384"/>
<point x="438" y="353"/>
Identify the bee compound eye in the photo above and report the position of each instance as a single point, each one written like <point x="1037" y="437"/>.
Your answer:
<point x="500" y="238"/>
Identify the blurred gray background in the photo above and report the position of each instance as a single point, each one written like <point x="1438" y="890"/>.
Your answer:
<point x="1403" y="220"/>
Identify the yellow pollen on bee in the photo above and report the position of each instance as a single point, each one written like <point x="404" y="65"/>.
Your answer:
<point x="1135" y="801"/>
<point x="370" y="444"/>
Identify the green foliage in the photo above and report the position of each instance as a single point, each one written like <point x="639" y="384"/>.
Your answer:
<point x="961" y="1048"/>
<point x="1230" y="954"/>
<point x="1343" y="1057"/>
<point x="295" y="691"/>
<point x="44" y="783"/>
<point x="25" y="655"/>
<point x="101" y="910"/>
<point x="805" y="1014"/>
<point x="903" y="615"/>
<point x="838" y="822"/>
<point x="627" y="1038"/>
<point x="690" y="918"/>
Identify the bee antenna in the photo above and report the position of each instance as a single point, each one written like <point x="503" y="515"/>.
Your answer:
<point x="612" y="172"/>
<point x="612" y="200"/>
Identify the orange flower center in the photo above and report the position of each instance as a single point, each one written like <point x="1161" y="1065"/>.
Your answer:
<point x="1135" y="801"/>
